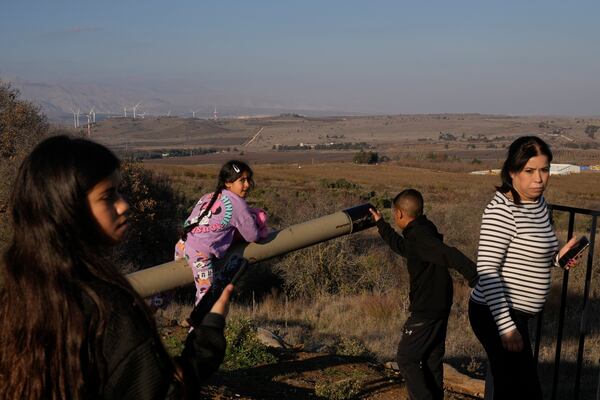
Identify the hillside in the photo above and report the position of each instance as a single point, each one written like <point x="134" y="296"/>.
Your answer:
<point x="294" y="138"/>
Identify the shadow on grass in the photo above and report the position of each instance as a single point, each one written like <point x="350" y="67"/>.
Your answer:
<point x="294" y="378"/>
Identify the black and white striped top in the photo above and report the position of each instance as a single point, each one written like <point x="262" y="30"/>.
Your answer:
<point x="516" y="248"/>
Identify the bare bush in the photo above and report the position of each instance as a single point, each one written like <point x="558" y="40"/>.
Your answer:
<point x="21" y="127"/>
<point x="157" y="213"/>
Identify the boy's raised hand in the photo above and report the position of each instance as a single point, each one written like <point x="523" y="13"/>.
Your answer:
<point x="376" y="214"/>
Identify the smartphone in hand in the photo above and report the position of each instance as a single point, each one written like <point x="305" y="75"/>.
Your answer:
<point x="574" y="252"/>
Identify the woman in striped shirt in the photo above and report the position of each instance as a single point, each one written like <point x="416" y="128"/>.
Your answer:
<point x="517" y="248"/>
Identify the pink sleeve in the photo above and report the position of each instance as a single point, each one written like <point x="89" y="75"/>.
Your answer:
<point x="260" y="217"/>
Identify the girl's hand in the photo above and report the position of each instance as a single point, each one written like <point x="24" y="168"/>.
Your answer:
<point x="512" y="341"/>
<point x="260" y="218"/>
<point x="376" y="214"/>
<point x="221" y="306"/>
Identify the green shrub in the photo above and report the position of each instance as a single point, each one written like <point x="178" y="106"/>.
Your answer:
<point x="352" y="347"/>
<point x="343" y="389"/>
<point x="173" y="344"/>
<point x="244" y="350"/>
<point x="338" y="184"/>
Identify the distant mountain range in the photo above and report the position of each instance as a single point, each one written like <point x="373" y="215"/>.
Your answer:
<point x="59" y="100"/>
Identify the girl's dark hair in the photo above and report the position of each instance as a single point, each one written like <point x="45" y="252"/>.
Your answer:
<point x="229" y="173"/>
<point x="519" y="152"/>
<point x="54" y="260"/>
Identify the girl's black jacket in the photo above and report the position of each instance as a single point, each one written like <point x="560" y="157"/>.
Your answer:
<point x="131" y="362"/>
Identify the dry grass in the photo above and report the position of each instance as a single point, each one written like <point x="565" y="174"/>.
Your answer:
<point x="368" y="299"/>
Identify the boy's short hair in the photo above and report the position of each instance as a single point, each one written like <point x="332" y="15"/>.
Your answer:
<point x="410" y="201"/>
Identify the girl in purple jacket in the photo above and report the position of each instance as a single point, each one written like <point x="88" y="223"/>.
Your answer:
<point x="217" y="220"/>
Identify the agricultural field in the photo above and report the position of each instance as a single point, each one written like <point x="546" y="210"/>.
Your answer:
<point x="451" y="138"/>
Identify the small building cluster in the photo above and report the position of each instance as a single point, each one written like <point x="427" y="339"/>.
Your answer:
<point x="555" y="169"/>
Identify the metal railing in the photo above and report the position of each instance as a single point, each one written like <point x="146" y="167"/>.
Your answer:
<point x="584" y="319"/>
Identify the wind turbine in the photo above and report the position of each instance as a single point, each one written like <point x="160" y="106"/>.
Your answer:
<point x="93" y="115"/>
<point x="74" y="119"/>
<point x="135" y="108"/>
<point x="124" y="111"/>
<point x="194" y="113"/>
<point x="215" y="114"/>
<point x="89" y="130"/>
<point x="78" y="113"/>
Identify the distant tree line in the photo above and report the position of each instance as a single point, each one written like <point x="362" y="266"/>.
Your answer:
<point x="323" y="146"/>
<point x="583" y="146"/>
<point x="162" y="153"/>
<point x="343" y="146"/>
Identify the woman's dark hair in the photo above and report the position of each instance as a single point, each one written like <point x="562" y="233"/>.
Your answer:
<point x="229" y="173"/>
<point x="519" y="152"/>
<point x="55" y="258"/>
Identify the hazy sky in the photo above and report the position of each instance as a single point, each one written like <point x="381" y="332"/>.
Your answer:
<point x="518" y="57"/>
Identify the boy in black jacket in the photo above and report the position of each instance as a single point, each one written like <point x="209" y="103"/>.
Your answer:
<point x="422" y="344"/>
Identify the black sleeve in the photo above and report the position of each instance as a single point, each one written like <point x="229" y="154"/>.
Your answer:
<point x="431" y="249"/>
<point x="396" y="242"/>
<point x="203" y="352"/>
<point x="136" y="364"/>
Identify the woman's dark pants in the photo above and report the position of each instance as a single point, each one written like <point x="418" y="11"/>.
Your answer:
<point x="514" y="373"/>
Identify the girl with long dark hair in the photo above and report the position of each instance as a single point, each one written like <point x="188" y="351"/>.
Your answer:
<point x="71" y="325"/>
<point x="217" y="220"/>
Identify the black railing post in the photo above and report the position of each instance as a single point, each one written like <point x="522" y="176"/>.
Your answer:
<point x="584" y="321"/>
<point x="583" y="327"/>
<point x="561" y="317"/>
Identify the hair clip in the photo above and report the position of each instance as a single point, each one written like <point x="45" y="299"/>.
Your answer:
<point x="236" y="168"/>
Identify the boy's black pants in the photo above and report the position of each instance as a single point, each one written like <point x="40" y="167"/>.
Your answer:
<point x="515" y="374"/>
<point x="420" y="355"/>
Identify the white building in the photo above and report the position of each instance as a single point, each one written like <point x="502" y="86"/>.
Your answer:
<point x="564" y="169"/>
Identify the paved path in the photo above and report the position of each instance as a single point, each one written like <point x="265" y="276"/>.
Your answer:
<point x="254" y="137"/>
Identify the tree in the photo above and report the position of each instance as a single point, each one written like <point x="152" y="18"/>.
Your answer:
<point x="157" y="213"/>
<point x="22" y="126"/>
<point x="363" y="157"/>
<point x="591" y="130"/>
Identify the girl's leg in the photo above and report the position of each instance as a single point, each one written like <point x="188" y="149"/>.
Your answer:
<point x="202" y="269"/>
